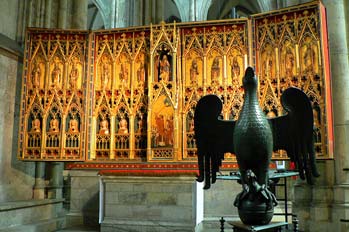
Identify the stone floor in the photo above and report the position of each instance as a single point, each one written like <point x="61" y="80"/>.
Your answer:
<point x="79" y="229"/>
<point x="227" y="228"/>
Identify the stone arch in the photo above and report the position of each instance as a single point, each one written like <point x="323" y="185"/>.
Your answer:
<point x="224" y="9"/>
<point x="193" y="10"/>
<point x="98" y="11"/>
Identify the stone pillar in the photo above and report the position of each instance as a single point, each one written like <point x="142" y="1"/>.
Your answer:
<point x="138" y="18"/>
<point x="187" y="9"/>
<point x="329" y="198"/>
<point x="201" y="9"/>
<point x="340" y="84"/>
<point x="39" y="187"/>
<point x="312" y="204"/>
<point x="121" y="17"/>
<point x="147" y="6"/>
<point x="22" y="21"/>
<point x="62" y="14"/>
<point x="290" y="3"/>
<point x="158" y="11"/>
<point x="301" y="203"/>
<point x="47" y="16"/>
<point x="79" y="14"/>
<point x="55" y="181"/>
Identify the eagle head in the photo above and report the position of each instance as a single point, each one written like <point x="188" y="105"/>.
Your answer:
<point x="249" y="81"/>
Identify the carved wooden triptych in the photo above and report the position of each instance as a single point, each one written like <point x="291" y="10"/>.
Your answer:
<point x="130" y="94"/>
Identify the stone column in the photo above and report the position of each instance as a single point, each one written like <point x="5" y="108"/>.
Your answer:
<point x="329" y="208"/>
<point x="62" y="14"/>
<point x="187" y="9"/>
<point x="39" y="187"/>
<point x="47" y="17"/>
<point x="312" y="204"/>
<point x="138" y="18"/>
<point x="158" y="11"/>
<point x="147" y="19"/>
<point x="55" y="181"/>
<point x="340" y="84"/>
<point x="79" y="14"/>
<point x="290" y="3"/>
<point x="121" y="17"/>
<point x="201" y="9"/>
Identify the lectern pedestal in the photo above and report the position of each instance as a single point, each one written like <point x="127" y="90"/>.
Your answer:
<point x="238" y="226"/>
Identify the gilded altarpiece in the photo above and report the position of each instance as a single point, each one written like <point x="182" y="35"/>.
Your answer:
<point x="213" y="62"/>
<point x="164" y="84"/>
<point x="291" y="51"/>
<point x="54" y="88"/>
<point x="129" y="95"/>
<point x="118" y="124"/>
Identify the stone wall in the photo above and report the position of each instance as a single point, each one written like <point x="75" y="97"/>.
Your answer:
<point x="16" y="177"/>
<point x="8" y="18"/>
<point x="84" y="197"/>
<point x="220" y="198"/>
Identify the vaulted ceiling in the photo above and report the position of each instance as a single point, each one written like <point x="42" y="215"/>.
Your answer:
<point x="104" y="14"/>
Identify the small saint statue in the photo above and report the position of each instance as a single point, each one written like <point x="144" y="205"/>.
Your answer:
<point x="140" y="125"/>
<point x="73" y="126"/>
<point x="308" y="59"/>
<point x="169" y="131"/>
<point x="104" y="127"/>
<point x="194" y="72"/>
<point x="36" y="126"/>
<point x="74" y="75"/>
<point x="123" y="126"/>
<point x="56" y="75"/>
<point x="289" y="62"/>
<point x="235" y="68"/>
<point x="268" y="64"/>
<point x="105" y="75"/>
<point x="54" y="125"/>
<point x="123" y="74"/>
<point x="36" y="72"/>
<point x="191" y="125"/>
<point x="164" y="69"/>
<point x="141" y="74"/>
<point x="215" y="70"/>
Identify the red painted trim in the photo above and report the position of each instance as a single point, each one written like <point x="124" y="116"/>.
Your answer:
<point x="148" y="166"/>
<point x="154" y="172"/>
<point x="328" y="86"/>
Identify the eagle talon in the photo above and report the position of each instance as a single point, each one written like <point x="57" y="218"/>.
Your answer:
<point x="252" y="190"/>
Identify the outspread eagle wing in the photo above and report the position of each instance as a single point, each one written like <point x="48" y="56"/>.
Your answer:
<point x="293" y="132"/>
<point x="214" y="137"/>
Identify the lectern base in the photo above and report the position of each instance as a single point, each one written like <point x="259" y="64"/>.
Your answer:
<point x="238" y="226"/>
